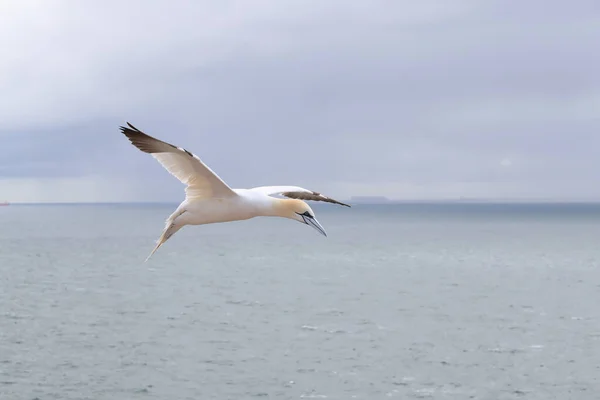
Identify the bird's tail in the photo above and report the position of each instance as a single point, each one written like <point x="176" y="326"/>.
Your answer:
<point x="170" y="229"/>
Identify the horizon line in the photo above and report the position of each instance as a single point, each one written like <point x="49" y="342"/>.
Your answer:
<point x="360" y="202"/>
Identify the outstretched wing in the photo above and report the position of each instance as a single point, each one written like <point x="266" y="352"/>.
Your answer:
<point x="296" y="192"/>
<point x="201" y="181"/>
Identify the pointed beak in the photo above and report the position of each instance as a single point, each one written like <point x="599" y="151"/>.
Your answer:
<point x="315" y="224"/>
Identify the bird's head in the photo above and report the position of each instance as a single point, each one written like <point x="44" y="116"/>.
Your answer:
<point x="299" y="211"/>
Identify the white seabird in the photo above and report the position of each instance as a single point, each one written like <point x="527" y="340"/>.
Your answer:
<point x="208" y="199"/>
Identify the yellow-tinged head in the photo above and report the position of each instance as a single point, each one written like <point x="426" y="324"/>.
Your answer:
<point x="299" y="211"/>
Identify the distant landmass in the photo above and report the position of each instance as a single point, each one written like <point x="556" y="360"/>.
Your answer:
<point x="464" y="200"/>
<point x="369" y="200"/>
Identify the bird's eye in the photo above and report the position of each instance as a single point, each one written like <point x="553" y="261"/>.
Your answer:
<point x="307" y="214"/>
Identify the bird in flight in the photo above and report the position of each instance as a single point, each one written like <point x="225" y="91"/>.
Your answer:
<point x="209" y="200"/>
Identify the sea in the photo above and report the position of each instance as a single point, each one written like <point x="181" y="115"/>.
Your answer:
<point x="407" y="301"/>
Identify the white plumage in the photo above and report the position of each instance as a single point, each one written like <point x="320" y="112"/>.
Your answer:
<point x="208" y="199"/>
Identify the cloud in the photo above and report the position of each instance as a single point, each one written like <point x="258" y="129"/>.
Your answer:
<point x="402" y="98"/>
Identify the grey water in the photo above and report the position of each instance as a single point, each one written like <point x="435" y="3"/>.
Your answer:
<point x="433" y="301"/>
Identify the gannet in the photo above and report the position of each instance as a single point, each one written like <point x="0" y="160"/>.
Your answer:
<point x="209" y="200"/>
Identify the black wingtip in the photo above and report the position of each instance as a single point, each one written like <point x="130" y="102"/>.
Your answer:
<point x="130" y="128"/>
<point x="133" y="127"/>
<point x="128" y="131"/>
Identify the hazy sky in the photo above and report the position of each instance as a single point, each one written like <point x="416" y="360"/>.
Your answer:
<point x="408" y="99"/>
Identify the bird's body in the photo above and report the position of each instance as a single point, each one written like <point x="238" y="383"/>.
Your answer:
<point x="225" y="209"/>
<point x="245" y="205"/>
<point x="209" y="200"/>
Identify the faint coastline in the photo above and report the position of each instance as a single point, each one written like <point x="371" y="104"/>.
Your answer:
<point x="354" y="200"/>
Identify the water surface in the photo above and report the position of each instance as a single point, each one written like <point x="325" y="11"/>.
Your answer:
<point x="405" y="301"/>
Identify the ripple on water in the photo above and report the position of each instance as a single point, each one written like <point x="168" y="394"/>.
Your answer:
<point x="309" y="328"/>
<point x="312" y="396"/>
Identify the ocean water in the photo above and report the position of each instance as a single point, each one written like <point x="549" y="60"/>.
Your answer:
<point x="403" y="301"/>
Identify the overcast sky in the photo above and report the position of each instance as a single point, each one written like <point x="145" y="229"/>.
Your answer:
<point x="407" y="99"/>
